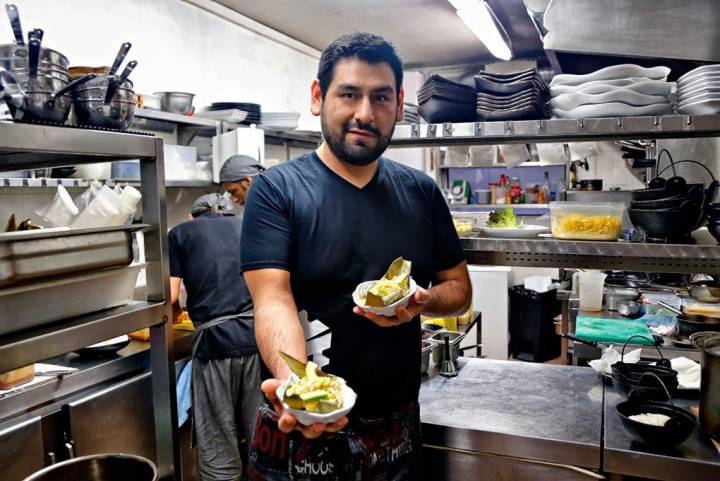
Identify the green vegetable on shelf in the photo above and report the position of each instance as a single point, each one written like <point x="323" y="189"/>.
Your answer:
<point x="504" y="219"/>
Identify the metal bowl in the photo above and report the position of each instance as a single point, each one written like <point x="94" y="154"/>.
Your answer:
<point x="117" y="114"/>
<point x="42" y="73"/>
<point x="47" y="55"/>
<point x="99" y="467"/>
<point x="98" y="93"/>
<point x="42" y="106"/>
<point x="42" y="84"/>
<point x="17" y="63"/>
<point x="176" y="102"/>
<point x="102" y="81"/>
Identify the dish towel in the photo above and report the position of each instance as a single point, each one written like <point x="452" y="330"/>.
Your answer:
<point x="184" y="394"/>
<point x="615" y="331"/>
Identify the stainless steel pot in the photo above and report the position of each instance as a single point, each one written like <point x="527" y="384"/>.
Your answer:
<point x="438" y="342"/>
<point x="425" y="359"/>
<point x="99" y="467"/>
<point x="46" y="106"/>
<point x="17" y="64"/>
<point x="703" y="292"/>
<point x="47" y="55"/>
<point x="613" y="295"/>
<point x="709" y="344"/>
<point x="41" y="84"/>
<point x="102" y="82"/>
<point x="98" y="93"/>
<point x="23" y="74"/>
<point x="117" y="114"/>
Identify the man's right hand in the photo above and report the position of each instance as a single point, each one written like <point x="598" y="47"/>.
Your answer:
<point x="287" y="422"/>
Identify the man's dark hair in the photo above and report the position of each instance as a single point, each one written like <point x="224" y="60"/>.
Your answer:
<point x="367" y="47"/>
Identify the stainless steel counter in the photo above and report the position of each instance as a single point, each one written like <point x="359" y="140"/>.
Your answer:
<point x="532" y="411"/>
<point x="696" y="458"/>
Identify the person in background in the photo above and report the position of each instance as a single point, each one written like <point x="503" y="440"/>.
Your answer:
<point x="205" y="255"/>
<point x="236" y="176"/>
<point x="316" y="227"/>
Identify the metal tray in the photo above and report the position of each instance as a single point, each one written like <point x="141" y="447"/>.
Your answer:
<point x="33" y="255"/>
<point x="41" y="303"/>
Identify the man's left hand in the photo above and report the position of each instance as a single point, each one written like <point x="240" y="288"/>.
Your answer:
<point x="402" y="314"/>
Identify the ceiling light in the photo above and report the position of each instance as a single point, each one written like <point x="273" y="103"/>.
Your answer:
<point x="481" y="20"/>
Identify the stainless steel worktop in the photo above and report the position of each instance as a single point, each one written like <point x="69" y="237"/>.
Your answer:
<point x="532" y="411"/>
<point x="696" y="458"/>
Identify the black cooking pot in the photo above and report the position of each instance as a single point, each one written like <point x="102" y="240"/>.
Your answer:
<point x="674" y="432"/>
<point x="692" y="323"/>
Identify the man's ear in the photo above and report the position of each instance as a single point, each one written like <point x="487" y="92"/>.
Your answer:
<point x="401" y="105"/>
<point x="315" y="98"/>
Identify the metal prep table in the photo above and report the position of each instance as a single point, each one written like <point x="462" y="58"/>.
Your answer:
<point x="513" y="421"/>
<point x="696" y="458"/>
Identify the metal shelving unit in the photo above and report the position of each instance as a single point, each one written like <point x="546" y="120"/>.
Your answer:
<point x="574" y="254"/>
<point x="25" y="146"/>
<point x="557" y="130"/>
<point x="630" y="256"/>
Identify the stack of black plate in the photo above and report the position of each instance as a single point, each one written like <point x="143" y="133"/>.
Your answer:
<point x="254" y="114"/>
<point x="516" y="96"/>
<point x="442" y="100"/>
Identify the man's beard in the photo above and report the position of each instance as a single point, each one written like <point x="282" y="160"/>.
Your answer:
<point x="355" y="154"/>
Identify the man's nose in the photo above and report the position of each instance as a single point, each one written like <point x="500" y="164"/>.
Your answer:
<point x="364" y="113"/>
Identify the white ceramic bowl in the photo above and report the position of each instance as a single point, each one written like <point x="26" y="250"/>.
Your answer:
<point x="307" y="418"/>
<point x="387" y="311"/>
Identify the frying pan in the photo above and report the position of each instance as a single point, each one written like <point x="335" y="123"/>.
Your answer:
<point x="692" y="323"/>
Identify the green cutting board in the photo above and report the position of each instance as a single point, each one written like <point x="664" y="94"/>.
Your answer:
<point x="615" y="331"/>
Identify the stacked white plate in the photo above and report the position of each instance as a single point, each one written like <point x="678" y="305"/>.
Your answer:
<point x="698" y="91"/>
<point x="617" y="91"/>
<point x="233" y="116"/>
<point x="411" y="114"/>
<point x="280" y="120"/>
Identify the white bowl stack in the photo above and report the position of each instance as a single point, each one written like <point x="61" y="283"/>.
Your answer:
<point x="698" y="91"/>
<point x="617" y="91"/>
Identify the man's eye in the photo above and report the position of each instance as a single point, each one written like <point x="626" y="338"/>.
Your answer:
<point x="348" y="95"/>
<point x="381" y="98"/>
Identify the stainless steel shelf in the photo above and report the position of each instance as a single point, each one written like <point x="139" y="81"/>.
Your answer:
<point x="24" y="146"/>
<point x="557" y="130"/>
<point x="52" y="183"/>
<point x="593" y="255"/>
<point x="189" y="121"/>
<point x="25" y="347"/>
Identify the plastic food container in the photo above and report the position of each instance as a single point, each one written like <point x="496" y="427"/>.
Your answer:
<point x="585" y="221"/>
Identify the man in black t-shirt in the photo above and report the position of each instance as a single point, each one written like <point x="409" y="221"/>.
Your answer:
<point x="315" y="228"/>
<point x="205" y="254"/>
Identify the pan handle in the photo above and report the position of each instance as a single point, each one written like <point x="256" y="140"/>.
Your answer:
<point x="73" y="85"/>
<point x="124" y="49"/>
<point x="654" y="344"/>
<point x="14" y="15"/>
<point x="581" y="341"/>
<point x="670" y="308"/>
<point x="652" y="375"/>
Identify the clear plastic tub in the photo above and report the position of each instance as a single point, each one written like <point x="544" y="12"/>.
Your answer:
<point x="586" y="221"/>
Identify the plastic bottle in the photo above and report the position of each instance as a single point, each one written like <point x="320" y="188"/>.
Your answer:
<point x="545" y="189"/>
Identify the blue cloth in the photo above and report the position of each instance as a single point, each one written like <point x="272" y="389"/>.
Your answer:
<point x="183" y="393"/>
<point x="331" y="235"/>
<point x="205" y="253"/>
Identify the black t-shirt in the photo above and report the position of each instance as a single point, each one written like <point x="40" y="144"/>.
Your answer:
<point x="205" y="253"/>
<point x="331" y="235"/>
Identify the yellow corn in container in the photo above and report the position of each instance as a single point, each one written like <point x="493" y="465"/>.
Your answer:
<point x="449" y="323"/>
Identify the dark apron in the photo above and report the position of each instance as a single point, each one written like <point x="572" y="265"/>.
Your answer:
<point x="384" y="449"/>
<point x="197" y="337"/>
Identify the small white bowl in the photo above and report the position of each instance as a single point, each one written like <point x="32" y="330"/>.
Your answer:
<point x="387" y="311"/>
<point x="307" y="418"/>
